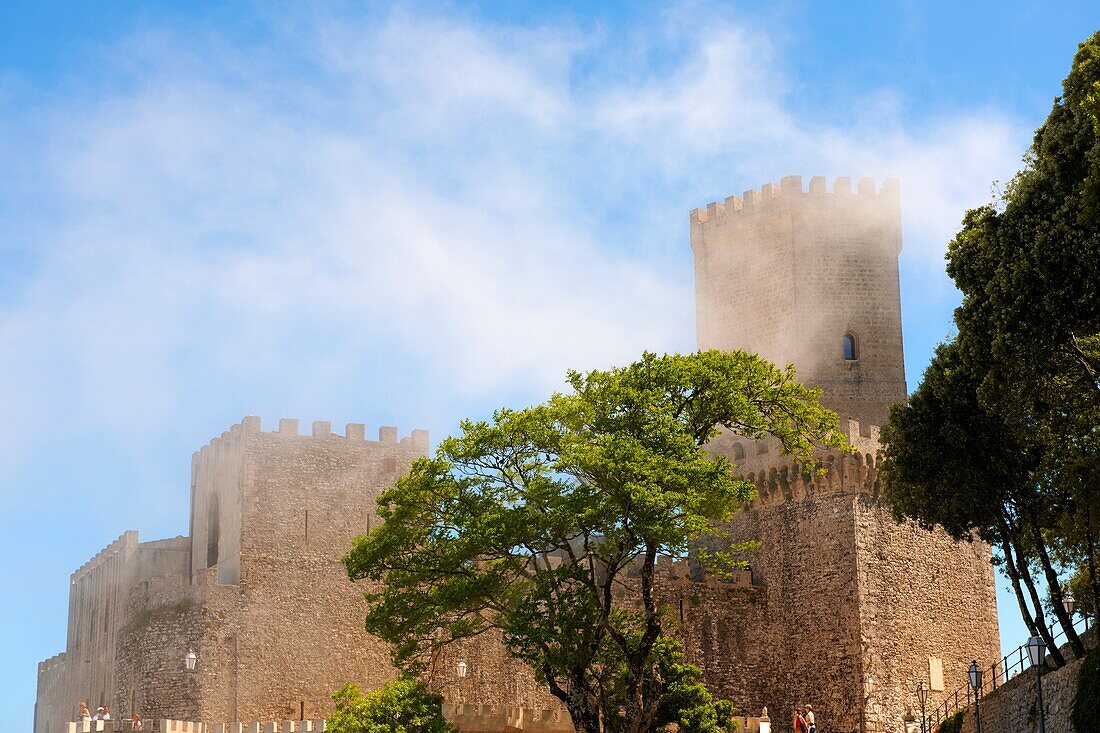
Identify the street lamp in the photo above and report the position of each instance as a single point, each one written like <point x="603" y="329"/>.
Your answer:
<point x="922" y="695"/>
<point x="462" y="667"/>
<point x="1070" y="604"/>
<point x="975" y="676"/>
<point x="190" y="659"/>
<point x="1036" y="654"/>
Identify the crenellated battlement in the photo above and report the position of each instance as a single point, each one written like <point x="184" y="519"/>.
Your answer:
<point x="779" y="479"/>
<point x="685" y="573"/>
<point x="48" y="665"/>
<point x="502" y="718"/>
<point x="126" y="540"/>
<point x="321" y="430"/>
<point x="790" y="193"/>
<point x="835" y="474"/>
<point x="468" y="717"/>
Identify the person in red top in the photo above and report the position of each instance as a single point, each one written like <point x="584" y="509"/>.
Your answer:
<point x="799" y="722"/>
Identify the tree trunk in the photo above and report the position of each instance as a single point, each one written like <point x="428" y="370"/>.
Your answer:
<point x="585" y="719"/>
<point x="1090" y="541"/>
<point x="640" y="711"/>
<point x="1040" y="617"/>
<point x="1014" y="577"/>
<point x="1055" y="587"/>
<point x="582" y="711"/>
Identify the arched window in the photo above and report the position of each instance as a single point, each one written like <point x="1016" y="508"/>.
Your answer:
<point x="213" y="531"/>
<point x="850" y="353"/>
<point x="738" y="452"/>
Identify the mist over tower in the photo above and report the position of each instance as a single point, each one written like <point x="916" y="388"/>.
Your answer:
<point x="808" y="278"/>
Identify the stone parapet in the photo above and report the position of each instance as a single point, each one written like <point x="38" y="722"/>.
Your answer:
<point x="790" y="194"/>
<point x="320" y="429"/>
<point x="128" y="540"/>
<point x="780" y="480"/>
<point x="503" y="718"/>
<point x="1014" y="705"/>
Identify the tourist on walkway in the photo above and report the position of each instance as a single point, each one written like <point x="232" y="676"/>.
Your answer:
<point x="811" y="723"/>
<point x="85" y="714"/>
<point x="137" y="724"/>
<point x="98" y="713"/>
<point x="106" y="712"/>
<point x="799" y="722"/>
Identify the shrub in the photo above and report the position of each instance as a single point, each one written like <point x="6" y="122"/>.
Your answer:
<point x="403" y="705"/>
<point x="1085" y="714"/>
<point x="953" y="724"/>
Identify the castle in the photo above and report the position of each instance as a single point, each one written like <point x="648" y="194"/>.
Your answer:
<point x="842" y="606"/>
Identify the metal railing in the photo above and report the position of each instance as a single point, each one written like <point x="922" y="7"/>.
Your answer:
<point x="997" y="675"/>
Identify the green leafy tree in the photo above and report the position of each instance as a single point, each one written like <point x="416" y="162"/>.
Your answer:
<point x="403" y="705"/>
<point x="685" y="700"/>
<point x="546" y="526"/>
<point x="1017" y="393"/>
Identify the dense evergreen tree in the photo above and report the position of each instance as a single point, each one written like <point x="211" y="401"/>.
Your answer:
<point x="1018" y="390"/>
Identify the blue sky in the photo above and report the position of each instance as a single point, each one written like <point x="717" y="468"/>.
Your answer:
<point x="409" y="214"/>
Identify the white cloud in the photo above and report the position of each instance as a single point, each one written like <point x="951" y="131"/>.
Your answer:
<point x="431" y="188"/>
<point x="728" y="92"/>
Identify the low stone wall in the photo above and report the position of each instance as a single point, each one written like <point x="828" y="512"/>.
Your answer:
<point x="1013" y="707"/>
<point x="468" y="718"/>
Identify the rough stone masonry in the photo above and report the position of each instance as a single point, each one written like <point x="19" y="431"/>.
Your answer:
<point x="843" y="608"/>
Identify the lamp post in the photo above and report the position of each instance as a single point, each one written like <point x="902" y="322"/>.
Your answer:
<point x="1070" y="604"/>
<point x="189" y="660"/>
<point x="1036" y="654"/>
<point x="922" y="695"/>
<point x="975" y="677"/>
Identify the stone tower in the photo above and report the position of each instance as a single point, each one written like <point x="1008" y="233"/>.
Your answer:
<point x="809" y="279"/>
<point x="844" y="593"/>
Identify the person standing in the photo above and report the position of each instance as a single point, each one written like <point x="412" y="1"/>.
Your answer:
<point x="85" y="714"/>
<point x="811" y="722"/>
<point x="799" y="723"/>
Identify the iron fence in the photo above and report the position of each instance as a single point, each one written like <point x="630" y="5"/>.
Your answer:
<point x="997" y="675"/>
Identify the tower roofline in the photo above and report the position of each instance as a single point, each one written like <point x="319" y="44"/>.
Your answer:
<point x="789" y="192"/>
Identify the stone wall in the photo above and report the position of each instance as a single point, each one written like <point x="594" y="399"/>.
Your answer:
<point x="837" y="593"/>
<point x="282" y="628"/>
<point x="493" y="676"/>
<point x="923" y="597"/>
<point x="98" y="597"/>
<point x="848" y="592"/>
<point x="806" y="565"/>
<point x="50" y="707"/>
<point x="166" y="620"/>
<point x="306" y="498"/>
<point x="722" y="624"/>
<point x="1013" y="707"/>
